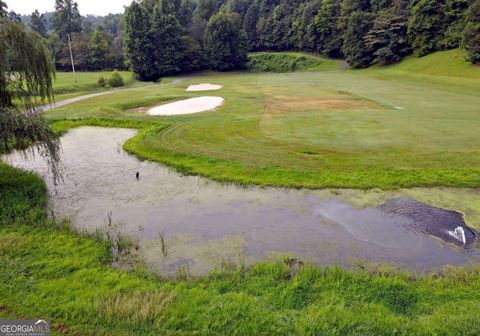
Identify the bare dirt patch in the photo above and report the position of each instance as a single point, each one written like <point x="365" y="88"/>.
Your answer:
<point x="279" y="104"/>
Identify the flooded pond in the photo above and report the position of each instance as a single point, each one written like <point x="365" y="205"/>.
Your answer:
<point x="205" y="223"/>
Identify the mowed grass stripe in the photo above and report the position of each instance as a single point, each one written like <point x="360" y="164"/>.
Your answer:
<point x="317" y="129"/>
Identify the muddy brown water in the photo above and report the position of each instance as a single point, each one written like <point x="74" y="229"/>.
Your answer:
<point x="206" y="223"/>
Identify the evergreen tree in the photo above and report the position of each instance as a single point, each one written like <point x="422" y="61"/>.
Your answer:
<point x="455" y="12"/>
<point x="388" y="37"/>
<point x="185" y="13"/>
<point x="225" y="42"/>
<point x="426" y="26"/>
<point x="167" y="39"/>
<point x="66" y="19"/>
<point x="99" y="51"/>
<point x="471" y="33"/>
<point x="38" y="23"/>
<point x="328" y="37"/>
<point x="139" y="50"/>
<point x="192" y="59"/>
<point x="250" y="26"/>
<point x="356" y="51"/>
<point x="281" y="35"/>
<point x="240" y="7"/>
<point x="305" y="36"/>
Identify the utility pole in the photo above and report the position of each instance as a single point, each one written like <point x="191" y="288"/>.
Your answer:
<point x="71" y="58"/>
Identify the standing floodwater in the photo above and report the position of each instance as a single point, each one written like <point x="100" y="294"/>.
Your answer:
<point x="204" y="223"/>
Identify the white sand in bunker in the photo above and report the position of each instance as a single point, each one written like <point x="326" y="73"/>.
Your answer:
<point x="187" y="106"/>
<point x="204" y="87"/>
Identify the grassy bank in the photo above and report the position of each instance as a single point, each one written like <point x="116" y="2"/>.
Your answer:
<point x="385" y="128"/>
<point x="86" y="81"/>
<point x="289" y="62"/>
<point x="65" y="88"/>
<point x="52" y="272"/>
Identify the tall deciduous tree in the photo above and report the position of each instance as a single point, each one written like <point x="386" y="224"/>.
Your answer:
<point x="426" y="26"/>
<point x="225" y="42"/>
<point x="388" y="37"/>
<point x="67" y="18"/>
<point x="99" y="51"/>
<point x="455" y="12"/>
<point x="355" y="49"/>
<point x="250" y="26"/>
<point x="38" y="23"/>
<point x="139" y="50"/>
<point x="328" y="37"/>
<point x="471" y="33"/>
<point x="167" y="37"/>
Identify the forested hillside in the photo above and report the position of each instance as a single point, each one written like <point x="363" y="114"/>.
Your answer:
<point x="165" y="37"/>
<point x="96" y="41"/>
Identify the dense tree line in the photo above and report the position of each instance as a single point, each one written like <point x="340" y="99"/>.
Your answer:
<point x="162" y="37"/>
<point x="96" y="44"/>
<point x="216" y="33"/>
<point x="361" y="31"/>
<point x="97" y="41"/>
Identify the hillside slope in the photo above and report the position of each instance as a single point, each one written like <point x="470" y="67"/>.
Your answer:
<point x="289" y="62"/>
<point x="450" y="63"/>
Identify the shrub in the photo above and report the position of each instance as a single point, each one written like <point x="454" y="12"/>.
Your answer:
<point x="116" y="80"/>
<point x="101" y="82"/>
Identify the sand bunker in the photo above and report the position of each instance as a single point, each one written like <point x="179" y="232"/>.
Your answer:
<point x="187" y="106"/>
<point x="204" y="87"/>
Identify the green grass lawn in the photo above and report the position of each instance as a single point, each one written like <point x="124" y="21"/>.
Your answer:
<point x="49" y="271"/>
<point x="65" y="87"/>
<point x="387" y="128"/>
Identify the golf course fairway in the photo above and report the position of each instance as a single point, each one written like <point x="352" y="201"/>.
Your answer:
<point x="388" y="128"/>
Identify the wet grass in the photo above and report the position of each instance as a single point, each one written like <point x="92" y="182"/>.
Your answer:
<point x="385" y="128"/>
<point x="53" y="272"/>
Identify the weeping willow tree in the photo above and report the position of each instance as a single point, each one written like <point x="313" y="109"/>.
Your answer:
<point x="26" y="75"/>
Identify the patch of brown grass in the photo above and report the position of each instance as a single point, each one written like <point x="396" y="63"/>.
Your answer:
<point x="282" y="104"/>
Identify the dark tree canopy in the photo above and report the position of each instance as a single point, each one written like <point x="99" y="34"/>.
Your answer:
<point x="361" y="31"/>
<point x="328" y="37"/>
<point x="138" y="48"/>
<point x="67" y="18"/>
<point x="38" y="23"/>
<point x="167" y="40"/>
<point x="98" y="50"/>
<point x="225" y="42"/>
<point x="425" y="26"/>
<point x="356" y="51"/>
<point x="388" y="37"/>
<point x="471" y="32"/>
